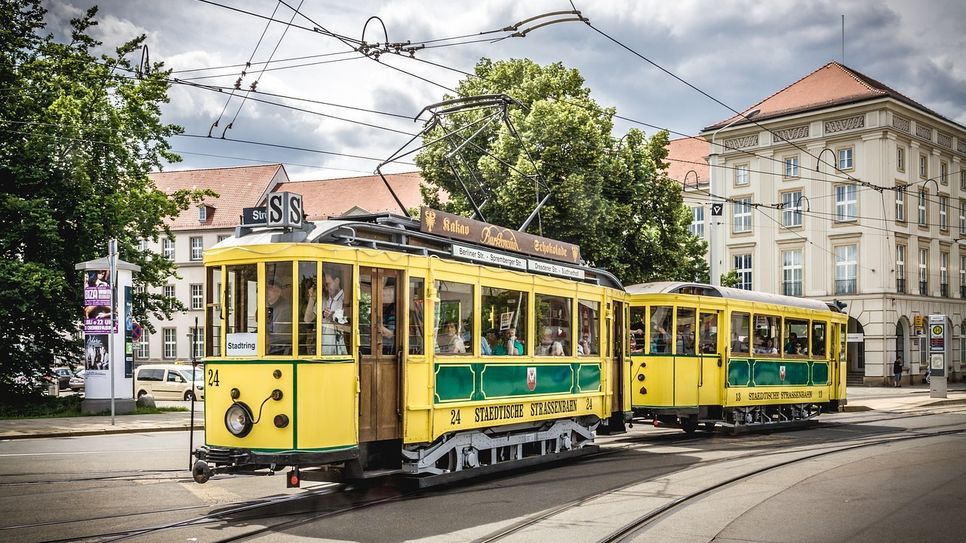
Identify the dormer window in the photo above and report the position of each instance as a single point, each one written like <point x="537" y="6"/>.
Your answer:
<point x="202" y="213"/>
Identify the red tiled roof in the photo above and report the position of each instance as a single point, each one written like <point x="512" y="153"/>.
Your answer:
<point x="237" y="188"/>
<point x="333" y="197"/>
<point x="684" y="155"/>
<point x="830" y="85"/>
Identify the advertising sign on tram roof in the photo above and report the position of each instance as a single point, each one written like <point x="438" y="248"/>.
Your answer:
<point x="453" y="226"/>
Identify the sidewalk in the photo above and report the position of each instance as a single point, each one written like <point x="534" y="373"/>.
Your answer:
<point x="859" y="399"/>
<point x="897" y="399"/>
<point x="88" y="426"/>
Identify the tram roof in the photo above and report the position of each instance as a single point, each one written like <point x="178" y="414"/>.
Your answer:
<point x="701" y="289"/>
<point x="389" y="232"/>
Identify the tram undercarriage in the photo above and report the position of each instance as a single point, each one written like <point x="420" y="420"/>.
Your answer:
<point x="449" y="458"/>
<point x="735" y="419"/>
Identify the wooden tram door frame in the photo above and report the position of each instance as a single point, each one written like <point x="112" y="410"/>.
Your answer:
<point x="380" y="376"/>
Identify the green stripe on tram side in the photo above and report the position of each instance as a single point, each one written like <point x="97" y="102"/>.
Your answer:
<point x="588" y="378"/>
<point x="767" y="373"/>
<point x="820" y="373"/>
<point x="739" y="373"/>
<point x="478" y="381"/>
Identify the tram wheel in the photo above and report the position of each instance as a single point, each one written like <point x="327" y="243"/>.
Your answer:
<point x="201" y="472"/>
<point x="689" y="424"/>
<point x="709" y="427"/>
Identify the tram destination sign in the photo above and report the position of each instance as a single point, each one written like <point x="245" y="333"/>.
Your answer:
<point x="453" y="226"/>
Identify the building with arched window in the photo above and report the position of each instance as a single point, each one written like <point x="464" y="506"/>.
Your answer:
<point x="838" y="187"/>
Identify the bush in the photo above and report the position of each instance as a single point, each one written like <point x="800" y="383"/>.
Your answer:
<point x="34" y="406"/>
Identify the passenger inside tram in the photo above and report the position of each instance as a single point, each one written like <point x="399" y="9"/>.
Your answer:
<point x="509" y="344"/>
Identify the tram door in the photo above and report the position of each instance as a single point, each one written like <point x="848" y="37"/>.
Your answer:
<point x="617" y="363"/>
<point x="380" y="353"/>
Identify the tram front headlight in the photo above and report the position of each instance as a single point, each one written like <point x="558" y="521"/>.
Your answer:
<point x="238" y="419"/>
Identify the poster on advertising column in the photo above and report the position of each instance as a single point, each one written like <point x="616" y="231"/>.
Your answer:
<point x="97" y="303"/>
<point x="97" y="352"/>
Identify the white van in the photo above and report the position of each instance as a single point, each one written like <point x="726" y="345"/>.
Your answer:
<point x="169" y="382"/>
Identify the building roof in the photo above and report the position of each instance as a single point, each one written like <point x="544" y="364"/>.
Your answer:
<point x="326" y="198"/>
<point x="237" y="187"/>
<point x="831" y="85"/>
<point x="685" y="155"/>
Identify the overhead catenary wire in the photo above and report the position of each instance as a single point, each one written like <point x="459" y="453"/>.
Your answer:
<point x="247" y="64"/>
<point x="254" y="84"/>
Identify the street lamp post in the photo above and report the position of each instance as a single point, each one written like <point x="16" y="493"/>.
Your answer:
<point x="715" y="247"/>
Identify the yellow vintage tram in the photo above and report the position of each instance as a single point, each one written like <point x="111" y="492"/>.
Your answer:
<point x="722" y="356"/>
<point x="383" y="344"/>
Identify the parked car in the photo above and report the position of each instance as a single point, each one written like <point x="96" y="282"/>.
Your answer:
<point x="77" y="381"/>
<point x="169" y="382"/>
<point x="63" y="375"/>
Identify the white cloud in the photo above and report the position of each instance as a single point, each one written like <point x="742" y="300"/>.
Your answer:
<point x="739" y="51"/>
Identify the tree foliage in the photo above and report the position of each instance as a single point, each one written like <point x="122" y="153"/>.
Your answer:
<point x="610" y="196"/>
<point x="78" y="136"/>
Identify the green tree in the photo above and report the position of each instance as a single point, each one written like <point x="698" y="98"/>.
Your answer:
<point x="78" y="136"/>
<point x="612" y="197"/>
<point x="730" y="279"/>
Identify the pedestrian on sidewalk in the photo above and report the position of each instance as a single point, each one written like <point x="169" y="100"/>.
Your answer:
<point x="897" y="371"/>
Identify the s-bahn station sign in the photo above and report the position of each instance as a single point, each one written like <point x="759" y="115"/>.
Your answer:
<point x="453" y="226"/>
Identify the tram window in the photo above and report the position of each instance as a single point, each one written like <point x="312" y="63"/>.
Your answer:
<point x="796" y="334"/>
<point x="503" y="319"/>
<point x="308" y="306"/>
<point x="843" y="345"/>
<point x="553" y="325"/>
<point x="214" y="314"/>
<point x="278" y="308"/>
<point x="588" y="322"/>
<point x="767" y="335"/>
<point x="417" y="310"/>
<point x="685" y="337"/>
<point x="660" y="324"/>
<point x="241" y="301"/>
<point x="638" y="329"/>
<point x="818" y="339"/>
<point x="336" y="308"/>
<point x="740" y="332"/>
<point x="709" y="333"/>
<point x="453" y="328"/>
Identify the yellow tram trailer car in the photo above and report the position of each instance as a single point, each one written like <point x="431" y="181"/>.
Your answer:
<point x="381" y="402"/>
<point x="700" y="355"/>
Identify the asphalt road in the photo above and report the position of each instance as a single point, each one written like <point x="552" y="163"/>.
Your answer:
<point x="905" y="482"/>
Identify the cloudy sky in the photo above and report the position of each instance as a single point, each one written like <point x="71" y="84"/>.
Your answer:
<point x="736" y="51"/>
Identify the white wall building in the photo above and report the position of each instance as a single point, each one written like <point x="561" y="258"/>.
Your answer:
<point x="840" y="188"/>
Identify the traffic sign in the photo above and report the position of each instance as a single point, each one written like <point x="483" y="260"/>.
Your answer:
<point x="717" y="210"/>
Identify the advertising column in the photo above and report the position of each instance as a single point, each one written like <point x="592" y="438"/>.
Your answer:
<point x="108" y="321"/>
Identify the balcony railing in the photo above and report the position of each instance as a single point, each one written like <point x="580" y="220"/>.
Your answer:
<point x="924" y="288"/>
<point x="845" y="286"/>
<point x="944" y="290"/>
<point x="901" y="286"/>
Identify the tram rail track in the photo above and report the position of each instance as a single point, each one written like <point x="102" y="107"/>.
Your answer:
<point x="257" y="510"/>
<point x="629" y="529"/>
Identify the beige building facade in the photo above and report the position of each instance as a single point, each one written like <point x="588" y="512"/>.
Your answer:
<point x="840" y="188"/>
